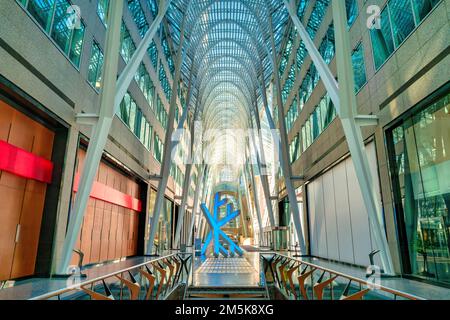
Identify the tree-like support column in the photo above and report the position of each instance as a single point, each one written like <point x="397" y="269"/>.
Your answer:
<point x="187" y="178"/>
<point x="195" y="212"/>
<point x="261" y="158"/>
<point x="112" y="94"/>
<point x="285" y="165"/>
<point x="344" y="100"/>
<point x="169" y="144"/>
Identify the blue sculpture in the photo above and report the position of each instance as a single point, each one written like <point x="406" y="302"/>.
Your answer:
<point x="216" y="233"/>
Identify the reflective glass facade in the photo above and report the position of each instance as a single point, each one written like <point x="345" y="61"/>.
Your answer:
<point x="420" y="169"/>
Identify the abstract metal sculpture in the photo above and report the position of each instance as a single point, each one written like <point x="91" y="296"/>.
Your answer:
<point x="216" y="233"/>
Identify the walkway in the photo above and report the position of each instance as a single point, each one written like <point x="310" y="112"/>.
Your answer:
<point x="417" y="288"/>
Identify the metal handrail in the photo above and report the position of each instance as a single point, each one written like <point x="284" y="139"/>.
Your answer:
<point x="77" y="287"/>
<point x="335" y="274"/>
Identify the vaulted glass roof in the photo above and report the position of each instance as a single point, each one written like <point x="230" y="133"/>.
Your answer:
<point x="226" y="52"/>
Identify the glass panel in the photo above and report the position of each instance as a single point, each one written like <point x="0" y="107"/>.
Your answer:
<point x="153" y="53"/>
<point x="138" y="16"/>
<point x="308" y="133"/>
<point x="95" y="66"/>
<point x="422" y="8"/>
<point x="315" y="125"/>
<point x="153" y="5"/>
<point x="304" y="139"/>
<point x="382" y="43"/>
<point x="133" y="111"/>
<point x="301" y="9"/>
<point x="127" y="45"/>
<point x="402" y="19"/>
<point x="125" y="109"/>
<point x="301" y="53"/>
<point x="144" y="128"/>
<point x="155" y="145"/>
<point x="60" y="31"/>
<point x="421" y="160"/>
<point x="359" y="67"/>
<point x="323" y="111"/>
<point x="138" y="123"/>
<point x="42" y="11"/>
<point x="76" y="46"/>
<point x="98" y="83"/>
<point x="352" y="11"/>
<point x="327" y="47"/>
<point x="319" y="118"/>
<point x="148" y="135"/>
<point x="102" y="10"/>
<point x="316" y="17"/>
<point x="330" y="113"/>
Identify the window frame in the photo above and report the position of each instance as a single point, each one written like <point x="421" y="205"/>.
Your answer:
<point x="24" y="6"/>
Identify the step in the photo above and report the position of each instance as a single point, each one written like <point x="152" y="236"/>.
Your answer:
<point x="226" y="292"/>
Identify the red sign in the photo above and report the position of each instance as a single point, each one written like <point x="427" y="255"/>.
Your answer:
<point x="24" y="164"/>
<point x="105" y="193"/>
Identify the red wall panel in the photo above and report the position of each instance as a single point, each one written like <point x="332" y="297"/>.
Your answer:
<point x="25" y="149"/>
<point x="108" y="233"/>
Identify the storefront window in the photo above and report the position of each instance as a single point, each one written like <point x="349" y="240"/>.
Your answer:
<point x="420" y="167"/>
<point x="162" y="237"/>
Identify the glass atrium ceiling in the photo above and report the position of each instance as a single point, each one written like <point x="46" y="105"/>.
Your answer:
<point x="226" y="53"/>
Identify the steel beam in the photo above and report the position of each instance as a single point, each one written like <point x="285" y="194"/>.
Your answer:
<point x="168" y="144"/>
<point x="285" y="163"/>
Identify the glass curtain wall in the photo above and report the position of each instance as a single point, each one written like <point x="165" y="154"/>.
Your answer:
<point x="420" y="169"/>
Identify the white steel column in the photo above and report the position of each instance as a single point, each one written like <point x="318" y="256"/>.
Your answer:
<point x="344" y="100"/>
<point x="255" y="199"/>
<point x="187" y="175"/>
<point x="111" y="95"/>
<point x="263" y="175"/>
<point x="285" y="163"/>
<point x="168" y="144"/>
<point x="186" y="182"/>
<point x="243" y="220"/>
<point x="353" y="131"/>
<point x="195" y="211"/>
<point x="99" y="133"/>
